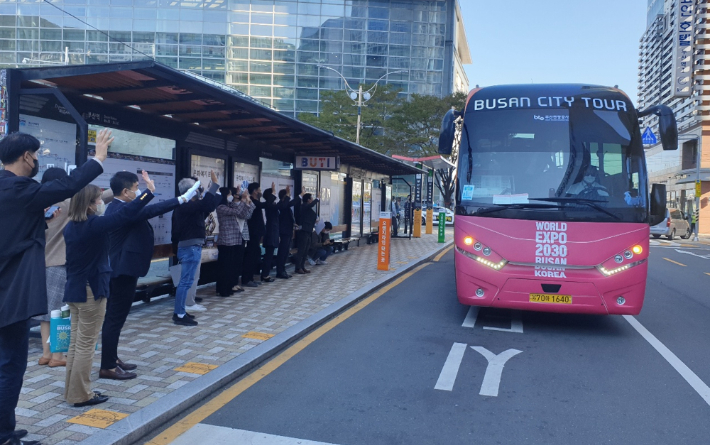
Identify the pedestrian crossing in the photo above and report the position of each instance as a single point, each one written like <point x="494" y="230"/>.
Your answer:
<point x="220" y="435"/>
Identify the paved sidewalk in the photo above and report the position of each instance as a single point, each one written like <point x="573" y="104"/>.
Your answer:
<point x="170" y="357"/>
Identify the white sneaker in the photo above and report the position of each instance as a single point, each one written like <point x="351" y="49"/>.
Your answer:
<point x="311" y="262"/>
<point x="320" y="262"/>
<point x="195" y="308"/>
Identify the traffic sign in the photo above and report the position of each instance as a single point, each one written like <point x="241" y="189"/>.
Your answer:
<point x="648" y="137"/>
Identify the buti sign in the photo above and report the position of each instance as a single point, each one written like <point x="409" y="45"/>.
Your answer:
<point x="317" y="163"/>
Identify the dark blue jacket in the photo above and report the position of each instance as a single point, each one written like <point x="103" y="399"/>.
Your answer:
<point x="23" y="285"/>
<point x="257" y="229"/>
<point x="271" y="231"/>
<point x="88" y="247"/>
<point x="308" y="216"/>
<point x="286" y="219"/>
<point x="132" y="245"/>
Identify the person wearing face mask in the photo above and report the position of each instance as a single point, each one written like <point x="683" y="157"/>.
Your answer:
<point x="23" y="293"/>
<point x="87" y="240"/>
<point x="231" y="215"/>
<point x="589" y="187"/>
<point x="130" y="252"/>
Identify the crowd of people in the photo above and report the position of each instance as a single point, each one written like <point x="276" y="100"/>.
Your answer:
<point x="61" y="244"/>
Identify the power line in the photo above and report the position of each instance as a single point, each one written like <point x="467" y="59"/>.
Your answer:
<point x="97" y="29"/>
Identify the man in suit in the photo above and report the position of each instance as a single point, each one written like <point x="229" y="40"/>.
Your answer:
<point x="286" y="225"/>
<point x="23" y="293"/>
<point x="303" y="236"/>
<point x="257" y="229"/>
<point x="130" y="252"/>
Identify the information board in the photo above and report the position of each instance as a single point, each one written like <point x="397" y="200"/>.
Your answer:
<point x="58" y="141"/>
<point x="200" y="167"/>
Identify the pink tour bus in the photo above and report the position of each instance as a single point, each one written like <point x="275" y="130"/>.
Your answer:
<point x="553" y="206"/>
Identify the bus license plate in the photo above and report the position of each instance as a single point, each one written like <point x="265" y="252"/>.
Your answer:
<point x="551" y="298"/>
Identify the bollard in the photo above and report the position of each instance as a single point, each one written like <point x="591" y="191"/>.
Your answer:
<point x="442" y="227"/>
<point x="383" y="246"/>
<point x="417" y="224"/>
<point x="429" y="221"/>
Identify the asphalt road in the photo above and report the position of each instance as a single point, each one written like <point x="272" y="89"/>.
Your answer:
<point x="404" y="370"/>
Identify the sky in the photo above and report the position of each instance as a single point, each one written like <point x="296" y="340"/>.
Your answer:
<point x="554" y="41"/>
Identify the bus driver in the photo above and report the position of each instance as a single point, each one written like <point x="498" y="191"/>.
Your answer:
<point x="589" y="187"/>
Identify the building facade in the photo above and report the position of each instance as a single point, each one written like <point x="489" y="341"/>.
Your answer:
<point x="672" y="72"/>
<point x="268" y="49"/>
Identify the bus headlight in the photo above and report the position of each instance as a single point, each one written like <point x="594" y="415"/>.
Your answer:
<point x="492" y="264"/>
<point x="610" y="272"/>
<point x="468" y="240"/>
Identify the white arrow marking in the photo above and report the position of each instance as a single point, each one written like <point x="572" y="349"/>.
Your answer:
<point x="494" y="370"/>
<point x="471" y="317"/>
<point x="451" y="368"/>
<point x="516" y="324"/>
<point x="705" y="257"/>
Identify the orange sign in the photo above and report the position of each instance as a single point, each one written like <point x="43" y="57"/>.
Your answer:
<point x="383" y="246"/>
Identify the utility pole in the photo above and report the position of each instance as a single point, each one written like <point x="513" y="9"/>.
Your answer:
<point x="359" y="113"/>
<point x="698" y="185"/>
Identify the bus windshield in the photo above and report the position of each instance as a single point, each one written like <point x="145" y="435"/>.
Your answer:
<point x="575" y="164"/>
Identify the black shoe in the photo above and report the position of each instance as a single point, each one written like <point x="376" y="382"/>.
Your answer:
<point x="184" y="321"/>
<point x="251" y="284"/>
<point x="92" y="401"/>
<point x="284" y="276"/>
<point x="258" y="283"/>
<point x="189" y="316"/>
<point x="20" y="433"/>
<point x="126" y="366"/>
<point x="267" y="279"/>
<point x="198" y="299"/>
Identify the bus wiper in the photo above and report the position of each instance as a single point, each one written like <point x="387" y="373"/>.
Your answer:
<point x="484" y="210"/>
<point x="588" y="202"/>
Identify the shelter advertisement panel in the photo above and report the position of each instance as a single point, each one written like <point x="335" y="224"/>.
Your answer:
<point x="244" y="174"/>
<point x="58" y="141"/>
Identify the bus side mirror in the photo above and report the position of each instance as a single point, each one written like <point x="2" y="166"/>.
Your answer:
<point x="666" y="124"/>
<point x="448" y="128"/>
<point x="658" y="204"/>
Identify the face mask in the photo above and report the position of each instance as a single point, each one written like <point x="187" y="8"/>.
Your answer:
<point x="100" y="209"/>
<point x="230" y="198"/>
<point x="35" y="168"/>
<point x="138" y="192"/>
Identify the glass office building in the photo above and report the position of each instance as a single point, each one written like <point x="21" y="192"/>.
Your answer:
<point x="269" y="49"/>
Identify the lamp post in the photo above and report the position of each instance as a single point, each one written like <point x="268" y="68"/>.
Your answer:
<point x="359" y="96"/>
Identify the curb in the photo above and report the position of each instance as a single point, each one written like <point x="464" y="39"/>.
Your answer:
<point x="145" y="421"/>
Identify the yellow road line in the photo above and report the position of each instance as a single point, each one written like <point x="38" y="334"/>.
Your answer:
<point x="675" y="262"/>
<point x="439" y="256"/>
<point x="197" y="416"/>
<point x="707" y="273"/>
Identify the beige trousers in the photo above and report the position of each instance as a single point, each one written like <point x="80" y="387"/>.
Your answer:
<point x="86" y="321"/>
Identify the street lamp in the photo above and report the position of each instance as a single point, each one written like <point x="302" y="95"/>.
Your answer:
<point x="359" y="96"/>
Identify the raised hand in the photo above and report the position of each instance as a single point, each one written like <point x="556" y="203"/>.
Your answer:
<point x="103" y="140"/>
<point x="303" y="191"/>
<point x="190" y="193"/>
<point x="213" y="177"/>
<point x="150" y="184"/>
<point x="273" y="188"/>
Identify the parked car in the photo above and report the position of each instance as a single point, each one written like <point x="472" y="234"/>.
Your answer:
<point x="437" y="210"/>
<point x="674" y="225"/>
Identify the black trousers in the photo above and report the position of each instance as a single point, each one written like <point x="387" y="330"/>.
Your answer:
<point x="123" y="291"/>
<point x="394" y="226"/>
<point x="268" y="261"/>
<point x="406" y="224"/>
<point x="225" y="269"/>
<point x="251" y="260"/>
<point x="303" y="241"/>
<point x="14" y="346"/>
<point x="238" y="265"/>
<point x="282" y="255"/>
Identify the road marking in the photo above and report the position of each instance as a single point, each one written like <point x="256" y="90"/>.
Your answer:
<point x="220" y="435"/>
<point x="98" y="418"/>
<point x="471" y="317"/>
<point x="516" y="324"/>
<point x="451" y="368"/>
<point x="257" y="335"/>
<point x="705" y="257"/>
<point x="494" y="370"/>
<point x="674" y="262"/>
<point x="707" y="273"/>
<point x="439" y="256"/>
<point x="698" y="385"/>
<point x="227" y="395"/>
